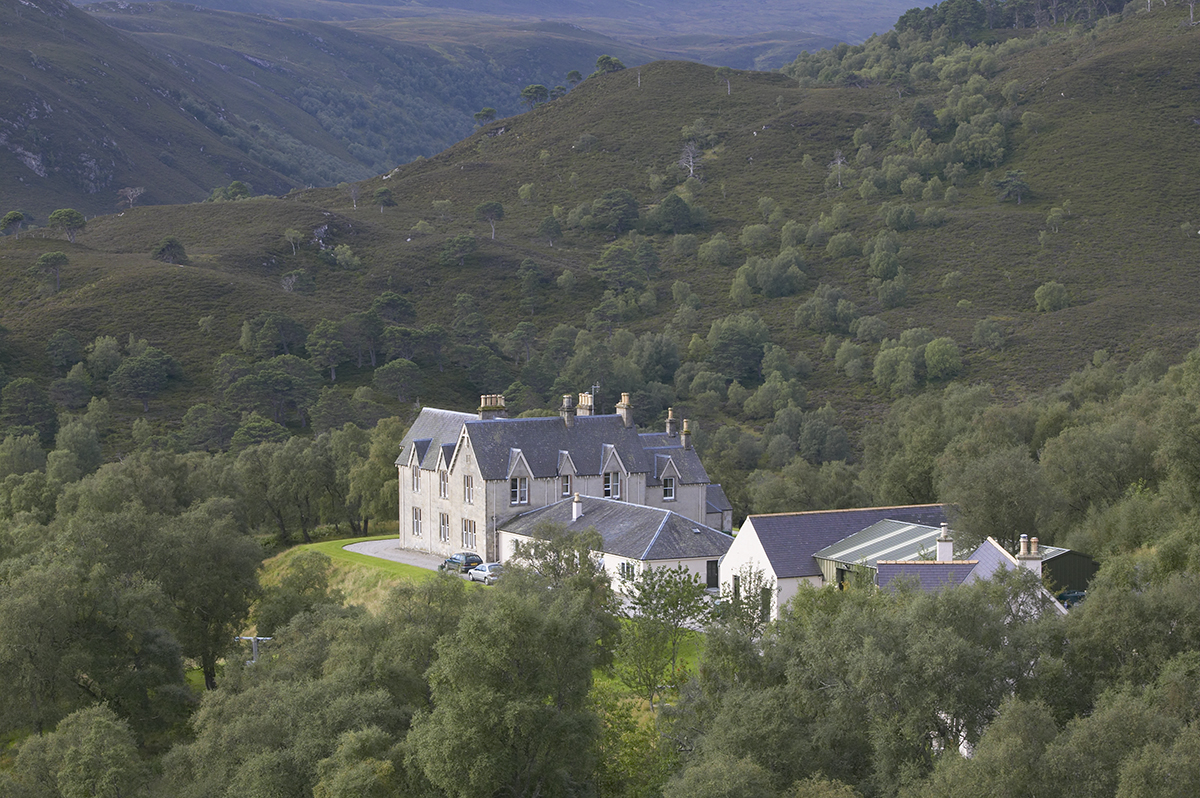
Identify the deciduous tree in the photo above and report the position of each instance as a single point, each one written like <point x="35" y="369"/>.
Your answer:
<point x="129" y="195"/>
<point x="490" y="212"/>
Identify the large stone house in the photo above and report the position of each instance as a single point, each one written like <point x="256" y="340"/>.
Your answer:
<point x="461" y="474"/>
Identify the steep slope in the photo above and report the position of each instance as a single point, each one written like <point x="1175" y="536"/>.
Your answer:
<point x="1119" y="251"/>
<point x="180" y="100"/>
<point x="86" y="110"/>
<point x="853" y="20"/>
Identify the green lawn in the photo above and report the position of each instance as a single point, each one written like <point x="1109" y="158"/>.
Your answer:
<point x="333" y="549"/>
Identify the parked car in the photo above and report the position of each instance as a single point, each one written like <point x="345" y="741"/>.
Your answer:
<point x="487" y="573"/>
<point x="461" y="562"/>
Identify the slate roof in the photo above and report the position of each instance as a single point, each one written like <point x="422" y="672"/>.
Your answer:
<point x="884" y="540"/>
<point x="687" y="463"/>
<point x="716" y="501"/>
<point x="791" y="539"/>
<point x="432" y="430"/>
<point x="986" y="560"/>
<point x="542" y="442"/>
<point x="929" y="576"/>
<point x="630" y="530"/>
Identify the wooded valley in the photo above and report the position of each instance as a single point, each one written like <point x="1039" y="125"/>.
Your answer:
<point x="942" y="265"/>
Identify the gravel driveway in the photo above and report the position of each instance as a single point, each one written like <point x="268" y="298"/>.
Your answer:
<point x="390" y="550"/>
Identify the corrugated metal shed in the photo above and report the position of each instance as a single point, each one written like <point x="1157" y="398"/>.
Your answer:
<point x="884" y="540"/>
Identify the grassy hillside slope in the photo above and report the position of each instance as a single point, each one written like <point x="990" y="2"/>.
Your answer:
<point x="1121" y="252"/>
<point x="179" y="100"/>
<point x="852" y="21"/>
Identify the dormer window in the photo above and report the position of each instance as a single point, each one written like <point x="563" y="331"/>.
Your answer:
<point x="668" y="489"/>
<point x="518" y="488"/>
<point x="566" y="484"/>
<point x="612" y="485"/>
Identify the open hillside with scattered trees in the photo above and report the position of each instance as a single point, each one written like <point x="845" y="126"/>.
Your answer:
<point x="954" y="263"/>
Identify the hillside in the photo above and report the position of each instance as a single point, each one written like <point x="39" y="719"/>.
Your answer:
<point x="180" y="100"/>
<point x="852" y="21"/>
<point x="1073" y="110"/>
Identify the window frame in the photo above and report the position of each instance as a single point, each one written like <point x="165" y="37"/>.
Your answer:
<point x="416" y="522"/>
<point x="612" y="484"/>
<point x="444" y="484"/>
<point x="468" y="534"/>
<point x="416" y="479"/>
<point x="468" y="489"/>
<point x="444" y="527"/>
<point x="668" y="487"/>
<point x="566" y="484"/>
<point x="518" y="490"/>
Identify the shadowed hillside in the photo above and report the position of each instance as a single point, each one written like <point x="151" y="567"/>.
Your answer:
<point x="775" y="288"/>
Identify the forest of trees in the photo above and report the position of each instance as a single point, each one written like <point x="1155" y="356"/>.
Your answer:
<point x="116" y="577"/>
<point x="131" y="554"/>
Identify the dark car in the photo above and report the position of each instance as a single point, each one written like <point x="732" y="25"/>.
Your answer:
<point x="461" y="562"/>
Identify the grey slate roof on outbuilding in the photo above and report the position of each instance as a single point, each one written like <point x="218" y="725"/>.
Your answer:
<point x="630" y="530"/>
<point x="716" y="501"/>
<point x="927" y="575"/>
<point x="791" y="539"/>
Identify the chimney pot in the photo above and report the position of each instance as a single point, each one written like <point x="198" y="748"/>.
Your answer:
<point x="672" y="424"/>
<point x="1030" y="557"/>
<point x="586" y="408"/>
<point x="685" y="437"/>
<point x="625" y="410"/>
<point x="567" y="411"/>
<point x="491" y="405"/>
<point x="945" y="545"/>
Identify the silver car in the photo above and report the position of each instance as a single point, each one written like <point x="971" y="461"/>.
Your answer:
<point x="487" y="573"/>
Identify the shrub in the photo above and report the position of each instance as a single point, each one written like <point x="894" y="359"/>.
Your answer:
<point x="988" y="334"/>
<point x="169" y="250"/>
<point x="684" y="246"/>
<point x="756" y="237"/>
<point x="716" y="251"/>
<point x="869" y="328"/>
<point x="842" y="245"/>
<point x="942" y="358"/>
<point x="1051" y="296"/>
<point x="792" y="234"/>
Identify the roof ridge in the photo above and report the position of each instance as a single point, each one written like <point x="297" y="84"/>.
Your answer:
<point x="661" y="525"/>
<point x="927" y="562"/>
<point x="849" y="510"/>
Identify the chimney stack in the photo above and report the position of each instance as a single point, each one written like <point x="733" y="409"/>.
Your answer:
<point x="491" y="405"/>
<point x="672" y="424"/>
<point x="1030" y="557"/>
<point x="576" y="508"/>
<point x="945" y="545"/>
<point x="625" y="410"/>
<point x="685" y="437"/>
<point x="567" y="411"/>
<point x="585" y="405"/>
